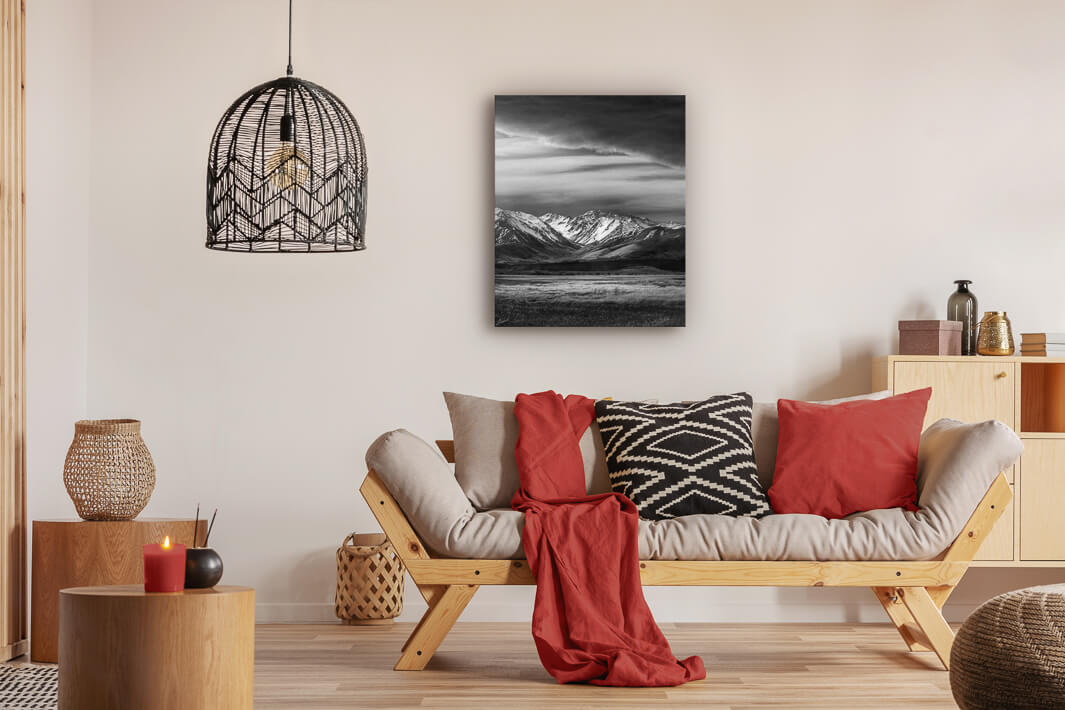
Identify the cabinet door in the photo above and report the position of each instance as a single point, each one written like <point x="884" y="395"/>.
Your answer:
<point x="969" y="391"/>
<point x="1042" y="491"/>
<point x="999" y="544"/>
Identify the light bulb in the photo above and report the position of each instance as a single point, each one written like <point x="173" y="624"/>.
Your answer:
<point x="288" y="166"/>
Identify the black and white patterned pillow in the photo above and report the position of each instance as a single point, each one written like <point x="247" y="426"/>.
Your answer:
<point x="685" y="458"/>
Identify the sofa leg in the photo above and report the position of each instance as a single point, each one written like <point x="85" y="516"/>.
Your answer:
<point x="901" y="617"/>
<point x="430" y="592"/>
<point x="444" y="611"/>
<point x="940" y="594"/>
<point x="930" y="619"/>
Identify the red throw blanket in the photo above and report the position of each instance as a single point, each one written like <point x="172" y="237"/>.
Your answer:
<point x="590" y="623"/>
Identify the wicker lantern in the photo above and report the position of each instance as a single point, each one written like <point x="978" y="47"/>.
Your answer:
<point x="286" y="171"/>
<point x="109" y="473"/>
<point x="369" y="580"/>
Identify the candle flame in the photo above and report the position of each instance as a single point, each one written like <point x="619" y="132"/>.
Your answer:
<point x="166" y="542"/>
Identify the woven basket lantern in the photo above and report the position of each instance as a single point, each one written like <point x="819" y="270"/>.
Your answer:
<point x="109" y="473"/>
<point x="369" y="580"/>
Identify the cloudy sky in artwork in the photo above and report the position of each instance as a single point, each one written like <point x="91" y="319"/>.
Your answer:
<point x="570" y="154"/>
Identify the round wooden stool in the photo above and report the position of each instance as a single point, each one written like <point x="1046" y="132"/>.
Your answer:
<point x="120" y="647"/>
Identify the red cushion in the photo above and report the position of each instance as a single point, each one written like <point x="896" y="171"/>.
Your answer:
<point x="838" y="459"/>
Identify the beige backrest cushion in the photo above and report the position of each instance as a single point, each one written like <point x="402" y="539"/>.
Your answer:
<point x="485" y="433"/>
<point x="765" y="427"/>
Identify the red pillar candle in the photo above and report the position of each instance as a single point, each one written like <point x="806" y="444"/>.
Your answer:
<point x="164" y="567"/>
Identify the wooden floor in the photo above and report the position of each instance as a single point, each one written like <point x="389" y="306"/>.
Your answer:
<point x="495" y="666"/>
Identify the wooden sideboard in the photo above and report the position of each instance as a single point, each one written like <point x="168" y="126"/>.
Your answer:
<point x="1028" y="394"/>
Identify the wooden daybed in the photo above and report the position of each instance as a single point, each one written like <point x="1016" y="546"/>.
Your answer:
<point x="911" y="592"/>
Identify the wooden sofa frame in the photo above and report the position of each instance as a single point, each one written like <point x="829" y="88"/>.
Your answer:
<point x="912" y="593"/>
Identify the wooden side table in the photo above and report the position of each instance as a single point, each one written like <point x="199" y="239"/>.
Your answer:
<point x="80" y="553"/>
<point x="121" y="647"/>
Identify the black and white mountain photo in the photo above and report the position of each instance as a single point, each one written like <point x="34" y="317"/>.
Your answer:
<point x="589" y="210"/>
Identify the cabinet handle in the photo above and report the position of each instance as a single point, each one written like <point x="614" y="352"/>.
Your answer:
<point x="1000" y="375"/>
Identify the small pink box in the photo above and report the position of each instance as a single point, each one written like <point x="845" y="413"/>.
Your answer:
<point x="929" y="337"/>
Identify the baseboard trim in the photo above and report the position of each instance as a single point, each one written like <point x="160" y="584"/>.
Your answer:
<point x="521" y="611"/>
<point x="14" y="650"/>
<point x="295" y="613"/>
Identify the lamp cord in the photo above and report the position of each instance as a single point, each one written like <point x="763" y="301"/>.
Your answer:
<point x="289" y="70"/>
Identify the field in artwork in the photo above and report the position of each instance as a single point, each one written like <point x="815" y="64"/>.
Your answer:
<point x="640" y="299"/>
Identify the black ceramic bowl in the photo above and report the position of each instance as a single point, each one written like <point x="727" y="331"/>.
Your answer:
<point x="203" y="567"/>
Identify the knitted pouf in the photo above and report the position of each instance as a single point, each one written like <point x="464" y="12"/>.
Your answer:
<point x="1010" y="653"/>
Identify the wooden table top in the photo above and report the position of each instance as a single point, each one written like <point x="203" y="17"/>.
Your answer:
<point x="137" y="590"/>
<point x="70" y="521"/>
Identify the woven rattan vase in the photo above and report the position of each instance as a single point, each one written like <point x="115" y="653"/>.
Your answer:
<point x="109" y="473"/>
<point x="369" y="580"/>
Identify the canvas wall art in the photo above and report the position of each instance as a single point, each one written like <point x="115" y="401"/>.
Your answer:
<point x="589" y="210"/>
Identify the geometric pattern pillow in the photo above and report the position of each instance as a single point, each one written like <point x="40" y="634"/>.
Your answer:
<point x="685" y="458"/>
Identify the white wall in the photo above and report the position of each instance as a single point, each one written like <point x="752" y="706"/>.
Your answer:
<point x="58" y="136"/>
<point x="846" y="161"/>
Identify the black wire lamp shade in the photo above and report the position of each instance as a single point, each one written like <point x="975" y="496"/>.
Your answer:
<point x="287" y="172"/>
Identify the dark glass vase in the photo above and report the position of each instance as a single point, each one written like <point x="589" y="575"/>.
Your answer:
<point x="961" y="306"/>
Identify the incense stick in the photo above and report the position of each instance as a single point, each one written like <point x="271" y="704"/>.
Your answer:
<point x="196" y="525"/>
<point x="210" y="527"/>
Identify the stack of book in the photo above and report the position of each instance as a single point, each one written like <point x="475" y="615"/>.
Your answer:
<point x="1043" y="344"/>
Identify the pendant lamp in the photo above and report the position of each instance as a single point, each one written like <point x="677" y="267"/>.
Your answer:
<point x="287" y="171"/>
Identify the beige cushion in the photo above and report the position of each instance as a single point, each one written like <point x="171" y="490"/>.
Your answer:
<point x="485" y="433"/>
<point x="957" y="464"/>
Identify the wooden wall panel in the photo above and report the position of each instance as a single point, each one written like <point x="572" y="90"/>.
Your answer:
<point x="12" y="329"/>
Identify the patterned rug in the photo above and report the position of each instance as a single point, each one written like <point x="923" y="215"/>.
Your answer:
<point x="28" y="687"/>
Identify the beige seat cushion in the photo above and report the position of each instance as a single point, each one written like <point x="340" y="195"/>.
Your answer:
<point x="958" y="462"/>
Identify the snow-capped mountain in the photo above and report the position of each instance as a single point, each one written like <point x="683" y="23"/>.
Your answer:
<point x="513" y="226"/>
<point x="596" y="226"/>
<point x="595" y="236"/>
<point x="520" y="236"/>
<point x="656" y="242"/>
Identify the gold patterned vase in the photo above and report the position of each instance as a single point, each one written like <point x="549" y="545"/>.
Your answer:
<point x="995" y="337"/>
